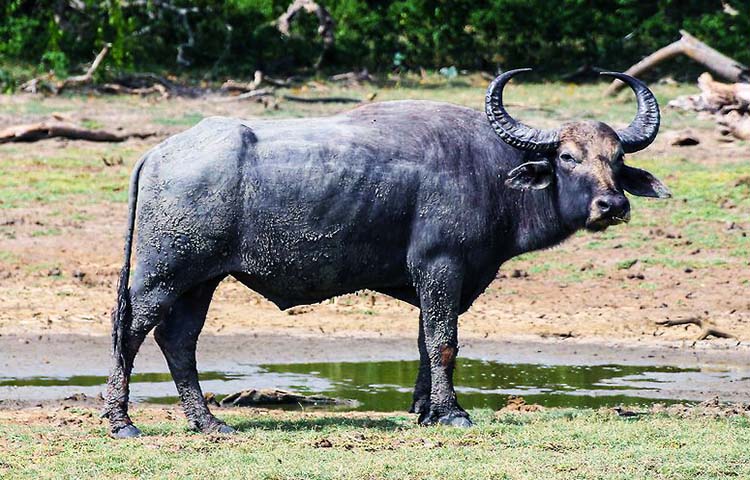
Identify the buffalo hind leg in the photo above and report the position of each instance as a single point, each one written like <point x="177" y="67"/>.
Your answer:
<point x="147" y="307"/>
<point x="439" y="286"/>
<point x="177" y="336"/>
<point x="422" y="387"/>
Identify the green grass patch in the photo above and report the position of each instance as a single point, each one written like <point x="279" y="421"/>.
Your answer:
<point x="186" y="120"/>
<point x="556" y="444"/>
<point x="8" y="257"/>
<point x="75" y="174"/>
<point x="92" y="124"/>
<point x="46" y="232"/>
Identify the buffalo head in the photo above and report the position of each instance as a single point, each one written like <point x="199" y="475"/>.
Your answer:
<point x="582" y="161"/>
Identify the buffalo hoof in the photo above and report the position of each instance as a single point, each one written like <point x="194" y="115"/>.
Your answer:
<point x="214" y="426"/>
<point x="454" y="419"/>
<point x="128" y="431"/>
<point x="460" y="420"/>
<point x="224" y="428"/>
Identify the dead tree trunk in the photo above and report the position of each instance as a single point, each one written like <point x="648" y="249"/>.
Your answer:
<point x="690" y="46"/>
<point x="325" y="23"/>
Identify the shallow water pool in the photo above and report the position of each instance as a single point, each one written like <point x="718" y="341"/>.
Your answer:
<point x="387" y="386"/>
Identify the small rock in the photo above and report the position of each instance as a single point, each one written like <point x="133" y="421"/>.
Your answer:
<point x="733" y="226"/>
<point x="77" y="397"/>
<point x="621" y="412"/>
<point x="299" y="310"/>
<point x="323" y="443"/>
<point x="683" y="138"/>
<point x="518" y="404"/>
<point x="519" y="274"/>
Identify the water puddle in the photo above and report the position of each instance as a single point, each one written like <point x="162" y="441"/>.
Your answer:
<point x="387" y="386"/>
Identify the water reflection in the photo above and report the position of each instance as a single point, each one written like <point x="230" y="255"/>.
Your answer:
<point x="387" y="386"/>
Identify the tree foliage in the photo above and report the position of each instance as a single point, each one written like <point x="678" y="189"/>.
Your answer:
<point x="239" y="36"/>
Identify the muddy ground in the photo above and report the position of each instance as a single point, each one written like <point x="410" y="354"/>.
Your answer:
<point x="599" y="295"/>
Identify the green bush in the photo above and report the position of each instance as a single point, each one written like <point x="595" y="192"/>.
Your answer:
<point x="236" y="37"/>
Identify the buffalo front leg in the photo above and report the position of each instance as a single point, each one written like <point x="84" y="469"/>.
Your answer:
<point x="177" y="336"/>
<point x="439" y="288"/>
<point x="422" y="387"/>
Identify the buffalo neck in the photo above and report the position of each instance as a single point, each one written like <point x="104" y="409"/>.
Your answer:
<point x="536" y="220"/>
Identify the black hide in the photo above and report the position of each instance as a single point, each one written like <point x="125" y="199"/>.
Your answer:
<point x="406" y="198"/>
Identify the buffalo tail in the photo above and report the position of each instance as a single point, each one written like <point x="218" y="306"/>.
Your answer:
<point x="121" y="314"/>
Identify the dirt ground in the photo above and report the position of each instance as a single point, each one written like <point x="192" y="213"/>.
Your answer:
<point x="59" y="256"/>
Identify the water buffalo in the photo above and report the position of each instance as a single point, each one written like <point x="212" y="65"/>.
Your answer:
<point x="422" y="201"/>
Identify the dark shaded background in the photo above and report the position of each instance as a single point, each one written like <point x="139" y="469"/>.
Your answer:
<point x="237" y="37"/>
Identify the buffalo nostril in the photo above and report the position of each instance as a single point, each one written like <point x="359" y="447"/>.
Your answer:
<point x="603" y="205"/>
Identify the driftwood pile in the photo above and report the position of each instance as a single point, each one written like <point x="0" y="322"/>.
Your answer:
<point x="727" y="103"/>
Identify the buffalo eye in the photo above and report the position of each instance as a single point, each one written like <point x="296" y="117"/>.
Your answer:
<point x="566" y="157"/>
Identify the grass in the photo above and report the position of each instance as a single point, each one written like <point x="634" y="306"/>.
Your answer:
<point x="186" y="120"/>
<point x="74" y="174"/>
<point x="554" y="444"/>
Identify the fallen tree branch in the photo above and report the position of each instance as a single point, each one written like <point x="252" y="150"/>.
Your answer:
<point x="293" y="98"/>
<point x="117" y="89"/>
<point x="36" y="85"/>
<point x="690" y="46"/>
<point x="261" y="92"/>
<point x="144" y="79"/>
<point x="268" y="92"/>
<point x="89" y="75"/>
<point x="46" y="81"/>
<point x="707" y="328"/>
<point x="353" y="78"/>
<point x="233" y="86"/>
<point x="39" y="131"/>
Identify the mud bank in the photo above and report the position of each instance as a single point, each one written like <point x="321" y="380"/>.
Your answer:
<point x="68" y="354"/>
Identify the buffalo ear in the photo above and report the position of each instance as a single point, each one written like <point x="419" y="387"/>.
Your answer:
<point x="530" y="175"/>
<point x="641" y="183"/>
